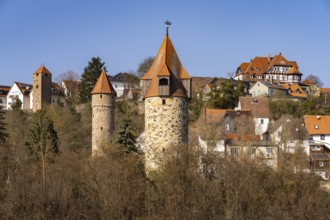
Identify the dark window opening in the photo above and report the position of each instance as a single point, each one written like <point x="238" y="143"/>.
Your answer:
<point x="37" y="86"/>
<point x="101" y="96"/>
<point x="163" y="101"/>
<point x="163" y="82"/>
<point x="163" y="149"/>
<point x="101" y="128"/>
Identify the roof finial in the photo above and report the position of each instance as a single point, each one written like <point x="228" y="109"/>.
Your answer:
<point x="168" y="23"/>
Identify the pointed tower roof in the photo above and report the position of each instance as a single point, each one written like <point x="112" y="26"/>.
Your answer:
<point x="167" y="64"/>
<point x="103" y="85"/>
<point x="42" y="69"/>
<point x="294" y="70"/>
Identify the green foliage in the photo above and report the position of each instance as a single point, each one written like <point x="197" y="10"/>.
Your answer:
<point x="3" y="134"/>
<point x="225" y="95"/>
<point x="17" y="105"/>
<point x="89" y="78"/>
<point x="310" y="106"/>
<point x="42" y="138"/>
<point x="195" y="106"/>
<point x="126" y="137"/>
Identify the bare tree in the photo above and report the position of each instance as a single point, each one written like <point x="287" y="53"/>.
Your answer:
<point x="315" y="79"/>
<point x="69" y="81"/>
<point x="145" y="65"/>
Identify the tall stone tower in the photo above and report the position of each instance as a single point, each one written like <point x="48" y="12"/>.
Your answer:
<point x="42" y="85"/>
<point x="103" y="110"/>
<point x="166" y="90"/>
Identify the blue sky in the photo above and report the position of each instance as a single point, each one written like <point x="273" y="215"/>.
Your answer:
<point x="211" y="37"/>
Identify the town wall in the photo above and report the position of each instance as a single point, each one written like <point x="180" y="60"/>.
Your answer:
<point x="166" y="125"/>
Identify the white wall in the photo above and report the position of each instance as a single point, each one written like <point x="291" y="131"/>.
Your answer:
<point x="16" y="92"/>
<point x="317" y="137"/>
<point x="258" y="89"/>
<point x="261" y="128"/>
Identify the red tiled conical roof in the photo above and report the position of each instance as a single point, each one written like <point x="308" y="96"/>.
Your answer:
<point x="42" y="69"/>
<point x="103" y="85"/>
<point x="166" y="63"/>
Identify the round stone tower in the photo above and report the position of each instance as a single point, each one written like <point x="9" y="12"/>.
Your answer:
<point x="166" y="89"/>
<point x="103" y="113"/>
<point x="42" y="85"/>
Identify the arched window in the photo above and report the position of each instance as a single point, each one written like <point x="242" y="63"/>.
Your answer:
<point x="163" y="82"/>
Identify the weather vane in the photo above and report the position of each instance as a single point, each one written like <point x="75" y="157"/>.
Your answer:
<point x="167" y="26"/>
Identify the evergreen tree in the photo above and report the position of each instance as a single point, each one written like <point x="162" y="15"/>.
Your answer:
<point x="126" y="137"/>
<point x="42" y="140"/>
<point x="3" y="134"/>
<point x="225" y="95"/>
<point x="88" y="79"/>
<point x="17" y="105"/>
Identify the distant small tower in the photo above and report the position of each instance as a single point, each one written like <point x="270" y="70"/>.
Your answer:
<point x="42" y="84"/>
<point x="166" y="89"/>
<point x="103" y="110"/>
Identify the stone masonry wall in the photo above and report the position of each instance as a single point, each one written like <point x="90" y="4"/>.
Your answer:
<point x="41" y="90"/>
<point x="166" y="125"/>
<point x="103" y="110"/>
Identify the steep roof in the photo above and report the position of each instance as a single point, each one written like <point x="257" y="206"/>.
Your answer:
<point x="166" y="63"/>
<point x="324" y="90"/>
<point x="260" y="65"/>
<point x="259" y="106"/>
<point x="42" y="69"/>
<point x="24" y="88"/>
<point x="103" y="85"/>
<point x="316" y="124"/>
<point x="295" y="90"/>
<point x="197" y="81"/>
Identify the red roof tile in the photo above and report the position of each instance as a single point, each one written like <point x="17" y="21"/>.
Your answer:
<point x="317" y="124"/>
<point x="103" y="85"/>
<point x="42" y="69"/>
<point x="166" y="63"/>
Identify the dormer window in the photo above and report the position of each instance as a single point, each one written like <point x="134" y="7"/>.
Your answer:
<point x="163" y="82"/>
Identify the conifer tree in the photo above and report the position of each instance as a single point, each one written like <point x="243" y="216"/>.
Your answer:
<point x="42" y="140"/>
<point x="126" y="137"/>
<point x="3" y="134"/>
<point x="88" y="79"/>
<point x="17" y="105"/>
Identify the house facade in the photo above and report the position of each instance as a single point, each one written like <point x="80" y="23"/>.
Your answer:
<point x="125" y="84"/>
<point x="3" y="96"/>
<point x="276" y="68"/>
<point x="259" y="107"/>
<point x="266" y="88"/>
<point x="319" y="144"/>
<point x="22" y="92"/>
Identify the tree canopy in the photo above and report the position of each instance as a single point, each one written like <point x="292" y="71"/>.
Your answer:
<point x="89" y="77"/>
<point x="315" y="79"/>
<point x="126" y="137"/>
<point x="225" y="94"/>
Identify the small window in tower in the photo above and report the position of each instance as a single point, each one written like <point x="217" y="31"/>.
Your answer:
<point x="101" y="96"/>
<point x="163" y="82"/>
<point x="163" y="149"/>
<point x="37" y="86"/>
<point x="37" y="74"/>
<point x="101" y="128"/>
<point x="163" y="101"/>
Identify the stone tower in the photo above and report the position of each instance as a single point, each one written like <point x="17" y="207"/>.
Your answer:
<point x="103" y="110"/>
<point x="42" y="84"/>
<point x="166" y="90"/>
